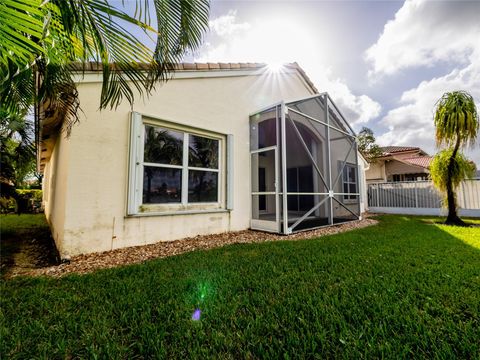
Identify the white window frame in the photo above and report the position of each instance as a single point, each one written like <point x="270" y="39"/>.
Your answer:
<point x="135" y="204"/>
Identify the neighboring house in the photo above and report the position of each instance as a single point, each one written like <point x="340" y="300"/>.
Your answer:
<point x="200" y="157"/>
<point x="399" y="163"/>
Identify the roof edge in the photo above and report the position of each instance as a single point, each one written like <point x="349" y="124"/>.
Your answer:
<point x="209" y="66"/>
<point x="98" y="66"/>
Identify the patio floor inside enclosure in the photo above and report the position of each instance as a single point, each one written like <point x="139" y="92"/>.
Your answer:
<point x="304" y="166"/>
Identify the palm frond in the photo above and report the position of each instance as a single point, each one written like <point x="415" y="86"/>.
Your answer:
<point x="41" y="41"/>
<point x="96" y="25"/>
<point x="17" y="91"/>
<point x="21" y="30"/>
<point x="456" y="119"/>
<point x="17" y="149"/>
<point x="181" y="25"/>
<point x="59" y="96"/>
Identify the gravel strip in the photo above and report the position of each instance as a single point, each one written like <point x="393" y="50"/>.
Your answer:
<point x="83" y="264"/>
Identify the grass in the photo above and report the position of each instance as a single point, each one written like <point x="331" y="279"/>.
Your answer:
<point x="17" y="224"/>
<point x="404" y="288"/>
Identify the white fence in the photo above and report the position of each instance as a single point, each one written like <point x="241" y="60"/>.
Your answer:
<point x="421" y="198"/>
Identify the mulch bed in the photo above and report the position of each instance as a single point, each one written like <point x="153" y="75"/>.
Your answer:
<point x="83" y="264"/>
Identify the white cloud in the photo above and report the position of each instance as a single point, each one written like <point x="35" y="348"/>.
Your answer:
<point x="270" y="39"/>
<point x="424" y="33"/>
<point x="226" y="25"/>
<point x="412" y="122"/>
<point x="359" y="109"/>
<point x="276" y="39"/>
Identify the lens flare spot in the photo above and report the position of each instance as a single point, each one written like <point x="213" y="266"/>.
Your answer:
<point x="196" y="315"/>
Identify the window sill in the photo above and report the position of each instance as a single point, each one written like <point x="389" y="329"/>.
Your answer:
<point x="181" y="212"/>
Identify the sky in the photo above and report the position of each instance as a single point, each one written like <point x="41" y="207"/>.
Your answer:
<point x="384" y="63"/>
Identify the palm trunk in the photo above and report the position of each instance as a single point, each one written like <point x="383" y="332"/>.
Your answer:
<point x="452" y="218"/>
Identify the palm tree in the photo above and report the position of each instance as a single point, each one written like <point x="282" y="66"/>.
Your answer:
<point x="456" y="126"/>
<point x="17" y="152"/>
<point x="43" y="43"/>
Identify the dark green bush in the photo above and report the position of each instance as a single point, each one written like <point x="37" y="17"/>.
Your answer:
<point x="25" y="201"/>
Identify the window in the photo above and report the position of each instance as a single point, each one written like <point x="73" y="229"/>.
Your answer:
<point x="300" y="179"/>
<point x="173" y="168"/>
<point x="350" y="183"/>
<point x="162" y="165"/>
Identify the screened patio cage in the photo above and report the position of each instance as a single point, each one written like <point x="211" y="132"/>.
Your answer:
<point x="304" y="166"/>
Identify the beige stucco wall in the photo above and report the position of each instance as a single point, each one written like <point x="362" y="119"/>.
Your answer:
<point x="55" y="190"/>
<point x="95" y="194"/>
<point x="394" y="167"/>
<point x="376" y="172"/>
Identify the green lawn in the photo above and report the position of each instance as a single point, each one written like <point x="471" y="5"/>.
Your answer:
<point x="404" y="288"/>
<point x="14" y="224"/>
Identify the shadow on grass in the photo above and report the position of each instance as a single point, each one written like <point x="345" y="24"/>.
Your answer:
<point x="25" y="243"/>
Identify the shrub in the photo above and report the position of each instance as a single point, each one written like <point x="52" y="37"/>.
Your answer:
<point x="7" y="205"/>
<point x="25" y="201"/>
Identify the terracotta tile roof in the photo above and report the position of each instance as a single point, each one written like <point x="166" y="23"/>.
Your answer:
<point x="423" y="161"/>
<point x="387" y="150"/>
<point x="218" y="66"/>
<point x="95" y="66"/>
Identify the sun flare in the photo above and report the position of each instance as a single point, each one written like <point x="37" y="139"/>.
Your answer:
<point x="275" y="67"/>
<point x="277" y="41"/>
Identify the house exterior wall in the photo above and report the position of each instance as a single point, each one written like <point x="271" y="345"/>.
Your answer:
<point x="54" y="188"/>
<point x="376" y="172"/>
<point x="94" y="199"/>
<point x="383" y="170"/>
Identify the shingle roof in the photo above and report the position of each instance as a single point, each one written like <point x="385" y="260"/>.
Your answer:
<point x="423" y="161"/>
<point x="396" y="149"/>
